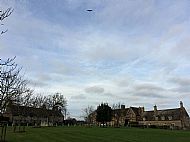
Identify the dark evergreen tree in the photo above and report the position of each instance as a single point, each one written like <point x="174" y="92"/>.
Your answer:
<point x="104" y="113"/>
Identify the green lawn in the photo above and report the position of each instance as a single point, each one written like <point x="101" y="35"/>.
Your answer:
<point x="96" y="134"/>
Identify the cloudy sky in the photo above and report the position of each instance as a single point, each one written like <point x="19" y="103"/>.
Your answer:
<point x="135" y="52"/>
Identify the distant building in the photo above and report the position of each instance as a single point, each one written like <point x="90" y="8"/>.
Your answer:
<point x="70" y="122"/>
<point x="122" y="116"/>
<point x="33" y="116"/>
<point x="177" y="117"/>
<point x="172" y="118"/>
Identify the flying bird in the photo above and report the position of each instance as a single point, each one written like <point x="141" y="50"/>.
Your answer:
<point x="89" y="10"/>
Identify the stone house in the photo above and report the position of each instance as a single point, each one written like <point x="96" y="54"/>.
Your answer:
<point x="125" y="116"/>
<point x="33" y="116"/>
<point x="172" y="118"/>
<point x="134" y="114"/>
<point x="118" y="116"/>
<point x="122" y="116"/>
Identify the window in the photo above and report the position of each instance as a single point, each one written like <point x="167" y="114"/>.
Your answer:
<point x="144" y="118"/>
<point x="169" y="117"/>
<point x="173" y="124"/>
<point x="156" y="118"/>
<point x="162" y="118"/>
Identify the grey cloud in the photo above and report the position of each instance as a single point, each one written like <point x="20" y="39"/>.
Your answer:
<point x="37" y="83"/>
<point x="148" y="94"/>
<point x="148" y="87"/>
<point x="181" y="89"/>
<point x="149" y="90"/>
<point x="181" y="81"/>
<point x="94" y="90"/>
<point x="109" y="94"/>
<point x="78" y="97"/>
<point x="44" y="77"/>
<point x="124" y="81"/>
<point x="39" y="79"/>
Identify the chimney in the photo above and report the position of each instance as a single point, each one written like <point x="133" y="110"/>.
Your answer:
<point x="181" y="104"/>
<point x="122" y="106"/>
<point x="155" y="108"/>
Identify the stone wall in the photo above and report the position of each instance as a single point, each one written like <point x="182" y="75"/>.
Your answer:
<point x="176" y="123"/>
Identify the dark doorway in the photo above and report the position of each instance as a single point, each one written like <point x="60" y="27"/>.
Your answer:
<point x="126" y="122"/>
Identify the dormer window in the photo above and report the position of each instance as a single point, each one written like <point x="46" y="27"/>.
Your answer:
<point x="169" y="117"/>
<point x="156" y="118"/>
<point x="163" y="118"/>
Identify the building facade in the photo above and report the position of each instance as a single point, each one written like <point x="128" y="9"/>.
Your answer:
<point x="33" y="116"/>
<point x="171" y="118"/>
<point x="121" y="117"/>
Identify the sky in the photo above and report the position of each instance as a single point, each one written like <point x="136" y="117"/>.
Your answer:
<point x="135" y="52"/>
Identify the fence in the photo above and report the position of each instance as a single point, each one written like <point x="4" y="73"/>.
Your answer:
<point x="3" y="129"/>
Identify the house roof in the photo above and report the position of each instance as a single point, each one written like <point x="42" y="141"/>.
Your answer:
<point x="135" y="110"/>
<point x="120" y="111"/>
<point x="174" y="113"/>
<point x="33" y="112"/>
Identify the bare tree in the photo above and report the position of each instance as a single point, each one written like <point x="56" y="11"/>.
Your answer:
<point x="31" y="100"/>
<point x="3" y="15"/>
<point x="25" y="98"/>
<point x="12" y="83"/>
<point x="56" y="101"/>
<point x="87" y="114"/>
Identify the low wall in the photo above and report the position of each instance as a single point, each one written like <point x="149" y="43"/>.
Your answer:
<point x="176" y="123"/>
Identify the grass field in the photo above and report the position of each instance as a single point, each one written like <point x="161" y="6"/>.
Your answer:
<point x="96" y="134"/>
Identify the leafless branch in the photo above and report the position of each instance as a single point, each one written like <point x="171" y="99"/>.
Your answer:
<point x="2" y="32"/>
<point x="6" y="13"/>
<point x="12" y="83"/>
<point x="87" y="114"/>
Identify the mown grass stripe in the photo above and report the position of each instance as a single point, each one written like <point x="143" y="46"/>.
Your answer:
<point x="86" y="134"/>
